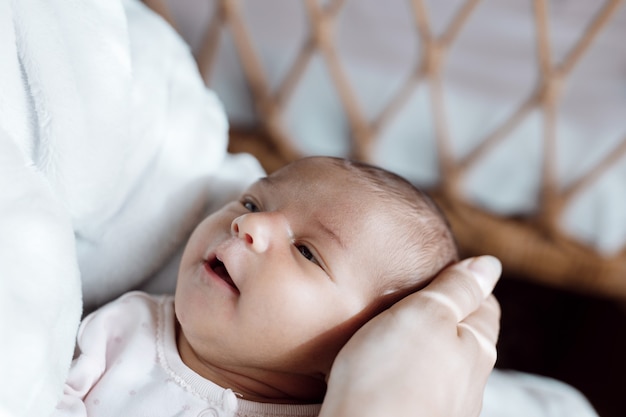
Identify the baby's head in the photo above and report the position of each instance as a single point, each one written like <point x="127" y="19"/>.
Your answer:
<point x="279" y="280"/>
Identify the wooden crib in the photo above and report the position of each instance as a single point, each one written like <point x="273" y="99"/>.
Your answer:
<point x="532" y="243"/>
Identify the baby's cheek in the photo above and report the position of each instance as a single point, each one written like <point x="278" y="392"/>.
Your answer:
<point x="181" y="310"/>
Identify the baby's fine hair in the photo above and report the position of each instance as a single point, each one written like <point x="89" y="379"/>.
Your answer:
<point x="428" y="245"/>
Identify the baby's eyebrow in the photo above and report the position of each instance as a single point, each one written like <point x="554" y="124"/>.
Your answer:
<point x="330" y="233"/>
<point x="267" y="180"/>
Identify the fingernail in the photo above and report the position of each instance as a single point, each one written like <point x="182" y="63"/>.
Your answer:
<point x="487" y="270"/>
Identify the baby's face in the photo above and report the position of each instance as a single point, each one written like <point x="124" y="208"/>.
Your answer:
<point x="281" y="279"/>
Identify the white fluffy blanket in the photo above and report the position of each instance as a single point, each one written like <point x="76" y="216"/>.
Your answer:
<point x="110" y="149"/>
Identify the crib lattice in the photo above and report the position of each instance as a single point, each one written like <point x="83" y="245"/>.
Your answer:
<point x="535" y="247"/>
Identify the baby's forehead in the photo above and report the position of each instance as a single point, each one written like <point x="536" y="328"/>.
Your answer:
<point x="312" y="179"/>
<point x="310" y="167"/>
<point x="326" y="185"/>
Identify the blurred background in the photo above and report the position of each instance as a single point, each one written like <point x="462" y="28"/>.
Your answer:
<point x="510" y="112"/>
<point x="576" y="338"/>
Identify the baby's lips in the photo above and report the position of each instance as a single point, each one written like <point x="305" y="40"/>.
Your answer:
<point x="217" y="267"/>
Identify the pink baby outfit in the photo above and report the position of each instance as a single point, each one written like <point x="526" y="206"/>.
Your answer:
<point x="129" y="366"/>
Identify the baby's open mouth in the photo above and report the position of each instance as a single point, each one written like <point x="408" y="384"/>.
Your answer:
<point x="220" y="270"/>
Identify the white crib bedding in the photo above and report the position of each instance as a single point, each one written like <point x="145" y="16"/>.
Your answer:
<point x="111" y="150"/>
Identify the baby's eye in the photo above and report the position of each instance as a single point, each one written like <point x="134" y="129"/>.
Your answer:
<point x="250" y="206"/>
<point x="307" y="253"/>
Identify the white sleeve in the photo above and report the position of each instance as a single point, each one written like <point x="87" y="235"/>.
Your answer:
<point x="96" y="334"/>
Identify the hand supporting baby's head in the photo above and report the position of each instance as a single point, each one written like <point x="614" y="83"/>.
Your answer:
<point x="271" y="287"/>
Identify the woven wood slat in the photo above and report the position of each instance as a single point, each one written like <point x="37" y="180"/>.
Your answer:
<point x="535" y="247"/>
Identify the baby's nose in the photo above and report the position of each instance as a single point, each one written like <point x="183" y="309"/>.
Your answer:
<point x="259" y="230"/>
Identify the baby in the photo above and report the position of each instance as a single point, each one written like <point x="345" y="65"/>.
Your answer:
<point x="269" y="289"/>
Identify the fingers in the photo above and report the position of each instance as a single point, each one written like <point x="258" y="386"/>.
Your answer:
<point x="463" y="287"/>
<point x="484" y="325"/>
<point x="487" y="270"/>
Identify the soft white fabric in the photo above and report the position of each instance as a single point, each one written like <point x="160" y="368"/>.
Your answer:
<point x="520" y="394"/>
<point x="110" y="149"/>
<point x="129" y="366"/>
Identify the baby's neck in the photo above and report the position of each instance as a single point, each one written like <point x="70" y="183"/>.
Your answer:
<point x="255" y="384"/>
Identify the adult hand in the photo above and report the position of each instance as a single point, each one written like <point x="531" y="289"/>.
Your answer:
<point x="428" y="355"/>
